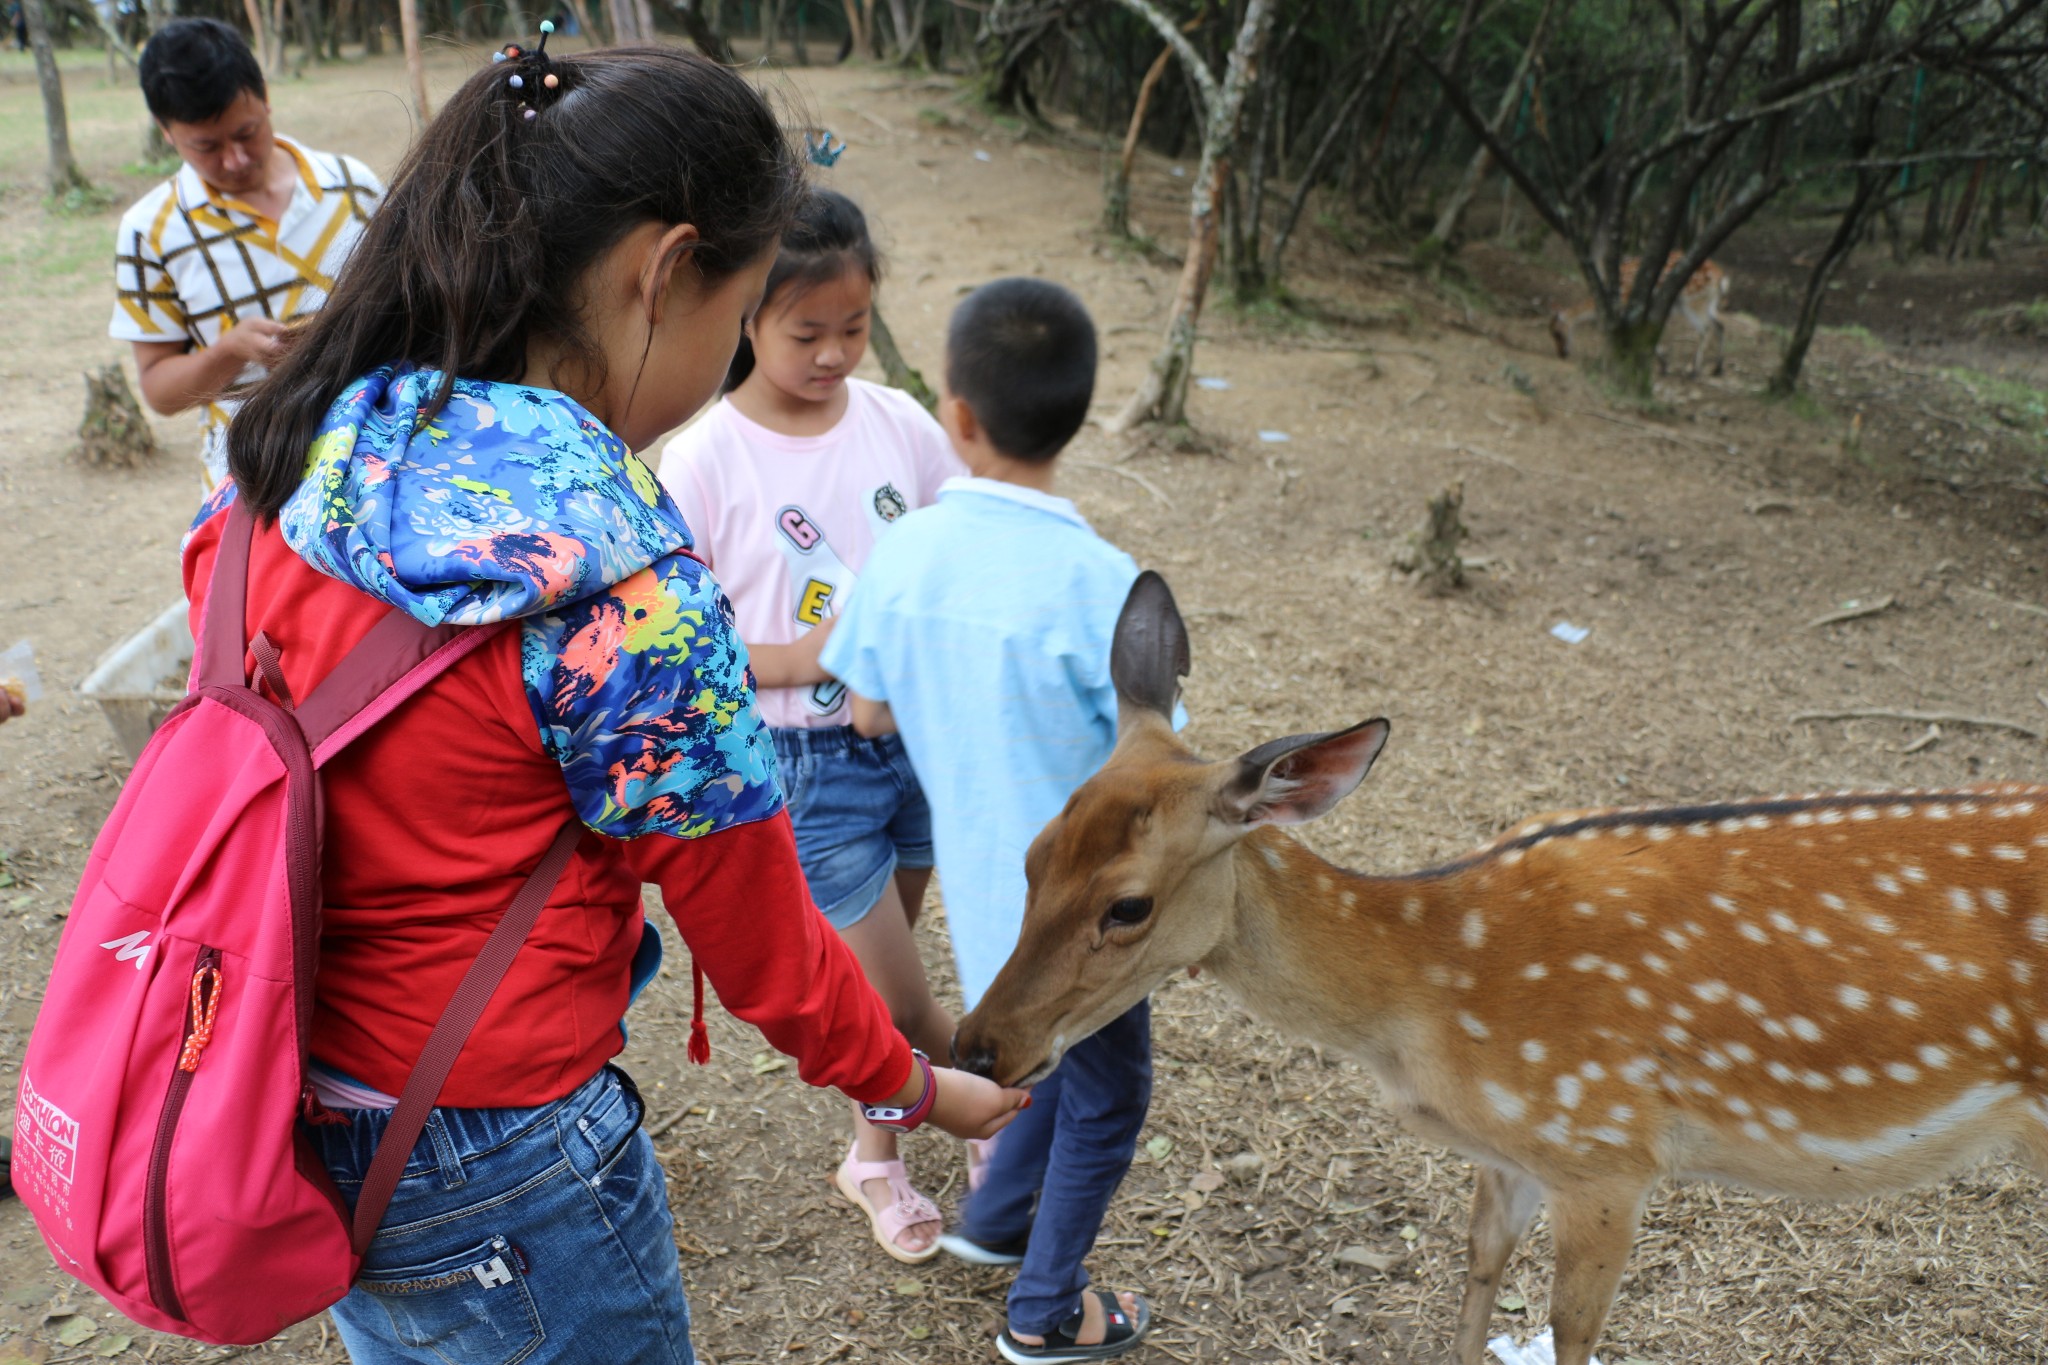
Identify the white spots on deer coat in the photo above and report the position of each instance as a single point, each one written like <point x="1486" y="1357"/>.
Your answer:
<point x="1995" y="898"/>
<point x="1782" y="1118"/>
<point x="1739" y="1106"/>
<point x="1656" y="963"/>
<point x="1639" y="1071"/>
<point x="1639" y="997"/>
<point x="1533" y="1051"/>
<point x="1741" y="1052"/>
<point x="1937" y="963"/>
<point x="1585" y="907"/>
<point x="1804" y="1029"/>
<point x="1680" y="1013"/>
<point x="1932" y="1057"/>
<point x="1965" y="1109"/>
<point x="1700" y="830"/>
<point x="1936" y="812"/>
<point x="1674" y="938"/>
<point x="1901" y="1072"/>
<point x="1853" y="997"/>
<point x="1887" y="884"/>
<point x="1961" y="850"/>
<point x="1472" y="1025"/>
<point x="1729" y="826"/>
<point x="1436" y="974"/>
<point x="2009" y="853"/>
<point x="1782" y="922"/>
<point x="1776" y="1029"/>
<point x="2002" y="1015"/>
<point x="1752" y="932"/>
<point x="1724" y="904"/>
<point x="1612" y="1136"/>
<point x="1979" y="1038"/>
<point x="1863" y="813"/>
<point x="2037" y="928"/>
<point x="1569" y="1091"/>
<point x="1914" y="873"/>
<point x="1832" y="901"/>
<point x="1755" y="1131"/>
<point x="2022" y="972"/>
<point x="1815" y="1080"/>
<point x="1505" y="1102"/>
<point x="1880" y="924"/>
<point x="1714" y="1060"/>
<point x="1535" y="971"/>
<point x="1779" y="1072"/>
<point x="1830" y="817"/>
<point x="1659" y="833"/>
<point x="1854" y="1075"/>
<point x="1473" y="931"/>
<point x="1905" y="1009"/>
<point x="1961" y="901"/>
<point x="1713" y="992"/>
<point x="1801" y="819"/>
<point x="1272" y="857"/>
<point x="1674" y="1035"/>
<point x="1557" y="1132"/>
<point x="1749" y="1005"/>
<point x="1588" y="962"/>
<point x="1411" y="910"/>
<point x="1511" y="857"/>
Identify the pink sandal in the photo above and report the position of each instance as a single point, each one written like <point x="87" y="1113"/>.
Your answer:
<point x="907" y="1210"/>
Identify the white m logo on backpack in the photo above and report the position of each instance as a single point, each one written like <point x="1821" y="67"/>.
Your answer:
<point x="131" y="946"/>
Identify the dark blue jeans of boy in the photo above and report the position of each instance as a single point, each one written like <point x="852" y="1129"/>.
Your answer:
<point x="531" y="1235"/>
<point x="1066" y="1154"/>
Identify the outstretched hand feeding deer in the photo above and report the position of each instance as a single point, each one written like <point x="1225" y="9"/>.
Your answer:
<point x="1827" y="996"/>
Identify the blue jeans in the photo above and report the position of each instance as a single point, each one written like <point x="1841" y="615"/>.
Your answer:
<point x="1067" y="1154"/>
<point x="858" y="814"/>
<point x="535" y="1235"/>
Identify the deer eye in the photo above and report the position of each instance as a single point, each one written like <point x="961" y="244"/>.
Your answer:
<point x="1130" y="910"/>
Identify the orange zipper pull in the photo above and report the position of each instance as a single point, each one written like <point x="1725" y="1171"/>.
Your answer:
<point x="205" y="1005"/>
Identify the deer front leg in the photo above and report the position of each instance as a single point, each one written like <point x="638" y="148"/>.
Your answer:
<point x="1502" y="1205"/>
<point x="1592" y="1227"/>
<point x="1720" y="345"/>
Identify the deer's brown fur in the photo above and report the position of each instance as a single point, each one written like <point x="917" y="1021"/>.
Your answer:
<point x="1827" y="995"/>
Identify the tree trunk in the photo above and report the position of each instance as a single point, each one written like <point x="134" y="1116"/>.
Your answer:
<point x="65" y="177"/>
<point x="704" y="33"/>
<point x="415" y="64"/>
<point x="856" y="27"/>
<point x="1162" y="394"/>
<point x="768" y="21"/>
<point x="1868" y="182"/>
<point x="114" y="433"/>
<point x="1444" y="234"/>
<point x="1283" y="231"/>
<point x="894" y="367"/>
<point x="1967" y="209"/>
<point x="1116" y="195"/>
<point x="1631" y="361"/>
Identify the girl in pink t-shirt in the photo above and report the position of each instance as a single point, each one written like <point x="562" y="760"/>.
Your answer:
<point x="786" y="483"/>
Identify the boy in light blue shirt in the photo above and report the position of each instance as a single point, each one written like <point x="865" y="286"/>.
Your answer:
<point x="981" y="632"/>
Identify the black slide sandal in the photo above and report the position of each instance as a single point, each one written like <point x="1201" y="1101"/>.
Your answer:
<point x="1125" y="1331"/>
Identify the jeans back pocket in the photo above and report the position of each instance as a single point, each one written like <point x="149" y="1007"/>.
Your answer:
<point x="473" y="1306"/>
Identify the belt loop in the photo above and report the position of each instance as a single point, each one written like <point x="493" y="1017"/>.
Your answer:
<point x="445" y="1153"/>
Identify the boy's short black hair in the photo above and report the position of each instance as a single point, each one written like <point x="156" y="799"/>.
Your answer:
<point x="193" y="69"/>
<point x="1021" y="354"/>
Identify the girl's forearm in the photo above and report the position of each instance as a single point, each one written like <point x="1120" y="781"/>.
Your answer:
<point x="786" y="665"/>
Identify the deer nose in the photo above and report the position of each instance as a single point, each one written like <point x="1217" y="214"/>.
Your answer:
<point x="977" y="1060"/>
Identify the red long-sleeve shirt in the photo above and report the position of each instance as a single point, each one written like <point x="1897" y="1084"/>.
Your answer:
<point x="434" y="819"/>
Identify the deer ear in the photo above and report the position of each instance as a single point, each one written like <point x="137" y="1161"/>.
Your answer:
<point x="1149" y="655"/>
<point x="1292" y="780"/>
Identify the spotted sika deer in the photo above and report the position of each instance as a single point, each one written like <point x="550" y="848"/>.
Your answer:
<point x="1700" y="304"/>
<point x="1826" y="996"/>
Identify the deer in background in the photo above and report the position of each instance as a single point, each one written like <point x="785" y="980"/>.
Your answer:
<point x="1826" y="996"/>
<point x="1700" y="304"/>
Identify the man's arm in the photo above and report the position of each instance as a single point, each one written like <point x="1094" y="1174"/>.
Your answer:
<point x="175" y="378"/>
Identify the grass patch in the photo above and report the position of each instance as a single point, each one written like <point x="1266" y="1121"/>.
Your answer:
<point x="1341" y="232"/>
<point x="1802" y="405"/>
<point x="2012" y="403"/>
<point x="1855" y="332"/>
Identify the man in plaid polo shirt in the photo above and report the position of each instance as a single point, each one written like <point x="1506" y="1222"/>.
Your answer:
<point x="212" y="265"/>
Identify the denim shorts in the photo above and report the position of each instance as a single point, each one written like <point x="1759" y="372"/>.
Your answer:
<point x="534" y="1235"/>
<point x="859" y="815"/>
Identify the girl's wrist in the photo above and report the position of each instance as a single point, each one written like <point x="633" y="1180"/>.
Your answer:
<point x="911" y="1105"/>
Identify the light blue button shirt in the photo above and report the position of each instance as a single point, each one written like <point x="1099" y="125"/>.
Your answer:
<point x="985" y="622"/>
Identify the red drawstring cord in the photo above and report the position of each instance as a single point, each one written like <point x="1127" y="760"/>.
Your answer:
<point x="700" y="1039"/>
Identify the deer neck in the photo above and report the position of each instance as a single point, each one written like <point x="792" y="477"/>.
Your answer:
<point x="1346" y="960"/>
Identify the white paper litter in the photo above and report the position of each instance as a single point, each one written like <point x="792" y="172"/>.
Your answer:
<point x="980" y="155"/>
<point x="1571" y="634"/>
<point x="1539" y="1351"/>
<point x="1177" y="172"/>
<point x="1274" y="437"/>
<point x="18" y="665"/>
<point x="1211" y="382"/>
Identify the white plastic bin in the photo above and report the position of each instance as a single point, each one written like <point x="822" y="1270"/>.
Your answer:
<point x="138" y="681"/>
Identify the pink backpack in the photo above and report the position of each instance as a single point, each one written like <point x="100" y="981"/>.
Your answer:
<point x="157" y="1142"/>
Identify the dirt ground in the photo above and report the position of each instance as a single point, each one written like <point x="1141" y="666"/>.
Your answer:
<point x="1698" y="542"/>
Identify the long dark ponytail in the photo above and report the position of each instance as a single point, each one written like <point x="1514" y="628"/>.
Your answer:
<point x="495" y="215"/>
<point x="828" y="237"/>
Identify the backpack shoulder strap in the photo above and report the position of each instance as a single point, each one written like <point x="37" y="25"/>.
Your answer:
<point x="224" y="625"/>
<point x="444" y="1044"/>
<point x="395" y="659"/>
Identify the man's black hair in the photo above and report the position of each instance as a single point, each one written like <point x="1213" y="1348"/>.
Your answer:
<point x="1021" y="354"/>
<point x="193" y="69"/>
